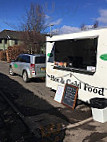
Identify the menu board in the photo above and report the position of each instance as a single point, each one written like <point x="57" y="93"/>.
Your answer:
<point x="59" y="94"/>
<point x="70" y="95"/>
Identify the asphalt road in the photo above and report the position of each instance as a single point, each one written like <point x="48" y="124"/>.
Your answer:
<point x="79" y="123"/>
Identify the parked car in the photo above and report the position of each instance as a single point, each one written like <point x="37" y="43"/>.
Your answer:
<point x="29" y="66"/>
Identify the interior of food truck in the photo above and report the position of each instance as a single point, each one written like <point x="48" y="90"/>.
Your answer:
<point x="77" y="54"/>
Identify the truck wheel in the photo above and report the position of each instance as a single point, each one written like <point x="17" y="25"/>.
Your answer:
<point x="11" y="71"/>
<point x="25" y="76"/>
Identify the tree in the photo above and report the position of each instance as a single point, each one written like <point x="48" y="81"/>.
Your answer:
<point x="83" y="27"/>
<point x="95" y="24"/>
<point x="88" y="27"/>
<point x="32" y="26"/>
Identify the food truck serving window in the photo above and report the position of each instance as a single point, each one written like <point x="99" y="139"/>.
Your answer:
<point x="76" y="53"/>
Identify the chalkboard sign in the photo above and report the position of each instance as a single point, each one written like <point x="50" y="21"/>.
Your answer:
<point x="70" y="95"/>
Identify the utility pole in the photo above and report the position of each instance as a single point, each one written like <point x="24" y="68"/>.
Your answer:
<point x="51" y="29"/>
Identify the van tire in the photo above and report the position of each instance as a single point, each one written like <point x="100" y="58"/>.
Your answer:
<point x="25" y="76"/>
<point x="11" y="71"/>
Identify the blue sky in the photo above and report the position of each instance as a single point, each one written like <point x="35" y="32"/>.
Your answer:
<point x="66" y="15"/>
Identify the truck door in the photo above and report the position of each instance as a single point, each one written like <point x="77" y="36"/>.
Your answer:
<point x="40" y="66"/>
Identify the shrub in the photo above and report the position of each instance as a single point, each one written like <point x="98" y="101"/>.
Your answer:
<point x="3" y="55"/>
<point x="13" y="51"/>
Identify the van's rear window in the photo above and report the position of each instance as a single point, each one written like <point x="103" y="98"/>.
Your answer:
<point x="40" y="60"/>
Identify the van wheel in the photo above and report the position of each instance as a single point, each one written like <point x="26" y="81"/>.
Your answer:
<point x="11" y="71"/>
<point x="25" y="76"/>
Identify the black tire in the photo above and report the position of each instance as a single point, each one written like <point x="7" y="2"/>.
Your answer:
<point x="11" y="71"/>
<point x="25" y="76"/>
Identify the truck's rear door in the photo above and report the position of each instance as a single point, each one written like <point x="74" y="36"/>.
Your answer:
<point x="40" y="66"/>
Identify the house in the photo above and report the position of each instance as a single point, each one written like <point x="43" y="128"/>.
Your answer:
<point x="9" y="38"/>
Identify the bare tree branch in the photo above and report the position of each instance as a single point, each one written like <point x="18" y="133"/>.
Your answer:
<point x="32" y="26"/>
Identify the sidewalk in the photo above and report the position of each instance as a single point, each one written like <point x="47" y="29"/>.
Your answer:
<point x="89" y="132"/>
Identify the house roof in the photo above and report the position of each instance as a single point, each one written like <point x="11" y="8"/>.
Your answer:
<point x="9" y="34"/>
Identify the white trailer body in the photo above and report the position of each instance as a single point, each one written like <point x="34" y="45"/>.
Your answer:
<point x="79" y="59"/>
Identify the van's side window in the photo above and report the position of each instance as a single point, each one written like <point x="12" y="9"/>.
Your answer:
<point x="18" y="59"/>
<point x="25" y="59"/>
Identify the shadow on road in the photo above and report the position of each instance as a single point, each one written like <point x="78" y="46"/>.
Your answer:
<point x="37" y="80"/>
<point x="38" y="111"/>
<point x="96" y="136"/>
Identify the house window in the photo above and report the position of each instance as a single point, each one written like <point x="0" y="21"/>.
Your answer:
<point x="16" y="42"/>
<point x="78" y="54"/>
<point x="5" y="41"/>
<point x="0" y="40"/>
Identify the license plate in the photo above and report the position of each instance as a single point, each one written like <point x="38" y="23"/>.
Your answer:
<point x="43" y="69"/>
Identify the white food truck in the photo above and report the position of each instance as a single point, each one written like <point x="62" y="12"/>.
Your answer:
<point x="79" y="59"/>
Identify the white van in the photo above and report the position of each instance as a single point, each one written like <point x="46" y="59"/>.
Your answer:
<point x="79" y="59"/>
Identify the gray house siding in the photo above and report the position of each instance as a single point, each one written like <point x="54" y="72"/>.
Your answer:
<point x="9" y="38"/>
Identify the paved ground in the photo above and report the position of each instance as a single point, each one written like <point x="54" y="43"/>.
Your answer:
<point x="86" y="130"/>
